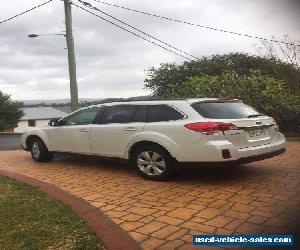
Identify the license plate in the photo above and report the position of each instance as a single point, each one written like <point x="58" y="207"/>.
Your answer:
<point x="257" y="133"/>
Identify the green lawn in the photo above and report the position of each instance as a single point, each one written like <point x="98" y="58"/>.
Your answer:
<point x="30" y="219"/>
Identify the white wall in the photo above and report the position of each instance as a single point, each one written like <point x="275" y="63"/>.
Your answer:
<point x="22" y="125"/>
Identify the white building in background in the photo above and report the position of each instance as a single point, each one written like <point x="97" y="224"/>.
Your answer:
<point x="37" y="117"/>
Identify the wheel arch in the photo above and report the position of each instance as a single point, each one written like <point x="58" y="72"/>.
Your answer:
<point x="30" y="138"/>
<point x="141" y="143"/>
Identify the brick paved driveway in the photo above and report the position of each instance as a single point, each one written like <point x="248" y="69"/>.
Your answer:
<point x="261" y="197"/>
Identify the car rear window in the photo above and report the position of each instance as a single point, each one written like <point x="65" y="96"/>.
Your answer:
<point x="123" y="114"/>
<point x="160" y="113"/>
<point x="225" y="110"/>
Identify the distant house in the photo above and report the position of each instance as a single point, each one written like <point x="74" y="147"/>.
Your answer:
<point x="37" y="117"/>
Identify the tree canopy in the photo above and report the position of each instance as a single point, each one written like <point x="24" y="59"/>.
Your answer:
<point x="267" y="84"/>
<point x="267" y="94"/>
<point x="172" y="74"/>
<point x="10" y="112"/>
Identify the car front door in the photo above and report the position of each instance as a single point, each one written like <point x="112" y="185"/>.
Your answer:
<point x="118" y="125"/>
<point x="73" y="134"/>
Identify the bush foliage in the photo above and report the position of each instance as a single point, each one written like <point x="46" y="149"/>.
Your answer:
<point x="10" y="112"/>
<point x="252" y="79"/>
<point x="265" y="93"/>
<point x="158" y="78"/>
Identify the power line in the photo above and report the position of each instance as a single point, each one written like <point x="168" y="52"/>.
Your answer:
<point x="197" y="25"/>
<point x="153" y="37"/>
<point x="131" y="32"/>
<point x="24" y="12"/>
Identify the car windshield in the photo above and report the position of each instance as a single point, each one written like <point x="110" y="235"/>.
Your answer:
<point x="225" y="110"/>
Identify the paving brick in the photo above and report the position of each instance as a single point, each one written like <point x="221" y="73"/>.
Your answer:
<point x="171" y="245"/>
<point x="277" y="222"/>
<point x="219" y="221"/>
<point x="209" y="213"/>
<point x="233" y="224"/>
<point x="146" y="219"/>
<point x="165" y="231"/>
<point x="243" y="208"/>
<point x="131" y="217"/>
<point x="142" y="211"/>
<point x="130" y="226"/>
<point x="116" y="214"/>
<point x="150" y="227"/>
<point x="138" y="236"/>
<point x="237" y="215"/>
<point x="257" y="219"/>
<point x="224" y="231"/>
<point x="263" y="213"/>
<point x="196" y="207"/>
<point x="176" y="204"/>
<point x="244" y="199"/>
<point x="198" y="219"/>
<point x="250" y="228"/>
<point x="185" y="198"/>
<point x="170" y="220"/>
<point x="152" y="244"/>
<point x="183" y="213"/>
<point x="188" y="246"/>
<point x="198" y="226"/>
<point x="178" y="234"/>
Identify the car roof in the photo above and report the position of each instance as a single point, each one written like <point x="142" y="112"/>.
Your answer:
<point x="157" y="101"/>
<point x="163" y="101"/>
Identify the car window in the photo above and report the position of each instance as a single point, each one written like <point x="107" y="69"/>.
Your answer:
<point x="123" y="114"/>
<point x="83" y="117"/>
<point x="224" y="110"/>
<point x="159" y="113"/>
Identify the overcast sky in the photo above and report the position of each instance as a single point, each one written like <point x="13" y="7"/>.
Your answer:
<point x="111" y="62"/>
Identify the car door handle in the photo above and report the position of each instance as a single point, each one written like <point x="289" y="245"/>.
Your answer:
<point x="131" y="129"/>
<point x="84" y="130"/>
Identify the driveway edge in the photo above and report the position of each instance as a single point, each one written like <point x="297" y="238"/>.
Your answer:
<point x="111" y="234"/>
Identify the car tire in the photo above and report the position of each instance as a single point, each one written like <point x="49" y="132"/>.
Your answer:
<point x="153" y="162"/>
<point x="39" y="151"/>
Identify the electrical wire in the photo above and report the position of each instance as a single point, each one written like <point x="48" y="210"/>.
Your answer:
<point x="136" y="29"/>
<point x="131" y="32"/>
<point x="197" y="25"/>
<point x="24" y="12"/>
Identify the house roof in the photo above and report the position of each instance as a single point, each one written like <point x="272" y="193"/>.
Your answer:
<point x="66" y="109"/>
<point x="40" y="113"/>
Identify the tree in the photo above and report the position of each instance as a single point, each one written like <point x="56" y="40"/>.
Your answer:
<point x="263" y="92"/>
<point x="158" y="79"/>
<point x="10" y="112"/>
<point x="287" y="52"/>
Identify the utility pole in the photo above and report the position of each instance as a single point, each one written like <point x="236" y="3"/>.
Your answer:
<point x="71" y="56"/>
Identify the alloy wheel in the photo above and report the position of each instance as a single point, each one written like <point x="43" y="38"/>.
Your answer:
<point x="151" y="163"/>
<point x="35" y="149"/>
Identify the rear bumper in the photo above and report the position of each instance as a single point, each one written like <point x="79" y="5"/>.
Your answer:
<point x="211" y="152"/>
<point x="260" y="156"/>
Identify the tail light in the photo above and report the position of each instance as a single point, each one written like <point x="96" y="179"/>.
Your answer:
<point x="210" y="127"/>
<point x="274" y="122"/>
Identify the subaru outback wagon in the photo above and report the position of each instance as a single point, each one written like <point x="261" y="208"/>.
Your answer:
<point x="156" y="136"/>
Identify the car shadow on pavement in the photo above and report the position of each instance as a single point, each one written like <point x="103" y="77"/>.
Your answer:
<point x="204" y="173"/>
<point x="220" y="173"/>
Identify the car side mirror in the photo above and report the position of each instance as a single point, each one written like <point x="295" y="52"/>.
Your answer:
<point x="54" y="122"/>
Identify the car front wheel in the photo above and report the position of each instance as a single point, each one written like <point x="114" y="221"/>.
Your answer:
<point x="39" y="151"/>
<point x="153" y="163"/>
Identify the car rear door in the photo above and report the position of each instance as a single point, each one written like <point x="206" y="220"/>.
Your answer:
<point x="119" y="125"/>
<point x="253" y="128"/>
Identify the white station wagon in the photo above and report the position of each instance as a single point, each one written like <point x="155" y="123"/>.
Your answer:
<point x="157" y="136"/>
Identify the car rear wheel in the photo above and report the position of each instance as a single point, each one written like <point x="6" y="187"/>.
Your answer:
<point x="39" y="151"/>
<point x="153" y="162"/>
